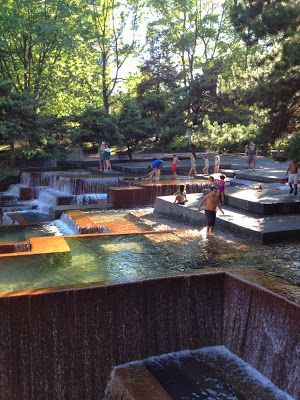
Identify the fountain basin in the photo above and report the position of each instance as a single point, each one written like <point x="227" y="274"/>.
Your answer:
<point x="62" y="344"/>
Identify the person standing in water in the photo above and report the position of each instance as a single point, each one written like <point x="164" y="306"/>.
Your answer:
<point x="174" y="165"/>
<point x="292" y="172"/>
<point x="211" y="202"/>
<point x="193" y="165"/>
<point x="156" y="167"/>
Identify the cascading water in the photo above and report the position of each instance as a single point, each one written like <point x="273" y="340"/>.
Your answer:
<point x="14" y="189"/>
<point x="67" y="224"/>
<point x="6" y="220"/>
<point x="82" y="199"/>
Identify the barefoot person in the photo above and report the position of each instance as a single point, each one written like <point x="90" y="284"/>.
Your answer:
<point x="174" y="165"/>
<point x="292" y="172"/>
<point x="217" y="164"/>
<point x="101" y="150"/>
<point x="251" y="154"/>
<point x="193" y="164"/>
<point x="211" y="202"/>
<point x="107" y="158"/>
<point x="156" y="167"/>
<point x="206" y="165"/>
<point x="180" y="196"/>
<point x="221" y="188"/>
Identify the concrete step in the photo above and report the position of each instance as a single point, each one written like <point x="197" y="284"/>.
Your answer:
<point x="256" y="228"/>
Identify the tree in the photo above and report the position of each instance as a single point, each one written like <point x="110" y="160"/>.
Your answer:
<point x="194" y="30"/>
<point x="111" y="22"/>
<point x="34" y="36"/>
<point x="134" y="129"/>
<point x="96" y="126"/>
<point x="274" y="82"/>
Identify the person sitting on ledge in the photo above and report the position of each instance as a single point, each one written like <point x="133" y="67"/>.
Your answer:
<point x="181" y="196"/>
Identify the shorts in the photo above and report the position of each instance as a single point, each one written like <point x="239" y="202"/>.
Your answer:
<point x="210" y="217"/>
<point x="293" y="178"/>
<point x="173" y="167"/>
<point x="251" y="158"/>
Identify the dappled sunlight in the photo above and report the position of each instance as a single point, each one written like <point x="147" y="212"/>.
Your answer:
<point x="116" y="247"/>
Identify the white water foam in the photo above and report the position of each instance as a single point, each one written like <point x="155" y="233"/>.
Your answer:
<point x="214" y="353"/>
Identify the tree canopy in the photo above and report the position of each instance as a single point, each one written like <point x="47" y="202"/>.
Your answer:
<point x="139" y="74"/>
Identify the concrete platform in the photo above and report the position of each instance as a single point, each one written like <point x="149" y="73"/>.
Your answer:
<point x="263" y="229"/>
<point x="268" y="175"/>
<point x="43" y="245"/>
<point x="268" y="201"/>
<point x="142" y="167"/>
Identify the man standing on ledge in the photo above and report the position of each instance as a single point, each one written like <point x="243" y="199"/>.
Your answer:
<point x="212" y="202"/>
<point x="251" y="153"/>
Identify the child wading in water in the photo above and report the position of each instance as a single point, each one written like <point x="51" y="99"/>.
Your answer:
<point x="193" y="164"/>
<point x="206" y="165"/>
<point x="174" y="165"/>
<point x="180" y="196"/>
<point x="221" y="188"/>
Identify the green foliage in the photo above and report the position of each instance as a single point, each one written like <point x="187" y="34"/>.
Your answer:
<point x="96" y="125"/>
<point x="290" y="146"/>
<point x="224" y="137"/>
<point x="274" y="82"/>
<point x="135" y="130"/>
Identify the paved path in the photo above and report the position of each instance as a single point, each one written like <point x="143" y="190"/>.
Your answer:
<point x="267" y="168"/>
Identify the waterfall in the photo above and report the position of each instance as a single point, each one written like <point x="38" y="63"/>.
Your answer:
<point x="66" y="222"/>
<point x="77" y="186"/>
<point x="6" y="220"/>
<point x="14" y="189"/>
<point x="82" y="199"/>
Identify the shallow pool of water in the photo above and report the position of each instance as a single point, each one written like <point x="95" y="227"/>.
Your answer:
<point x="212" y="373"/>
<point x="17" y="233"/>
<point x="96" y="259"/>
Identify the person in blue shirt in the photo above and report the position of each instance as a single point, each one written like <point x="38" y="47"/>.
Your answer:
<point x="156" y="167"/>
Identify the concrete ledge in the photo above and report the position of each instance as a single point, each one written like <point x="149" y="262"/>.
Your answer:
<point x="134" y="383"/>
<point x="263" y="229"/>
<point x="43" y="245"/>
<point x="268" y="201"/>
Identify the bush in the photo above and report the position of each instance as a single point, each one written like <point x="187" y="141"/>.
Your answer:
<point x="287" y="148"/>
<point x="225" y="137"/>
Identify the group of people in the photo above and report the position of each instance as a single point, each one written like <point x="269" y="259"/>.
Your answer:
<point x="213" y="200"/>
<point x="104" y="157"/>
<point x="157" y="165"/>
